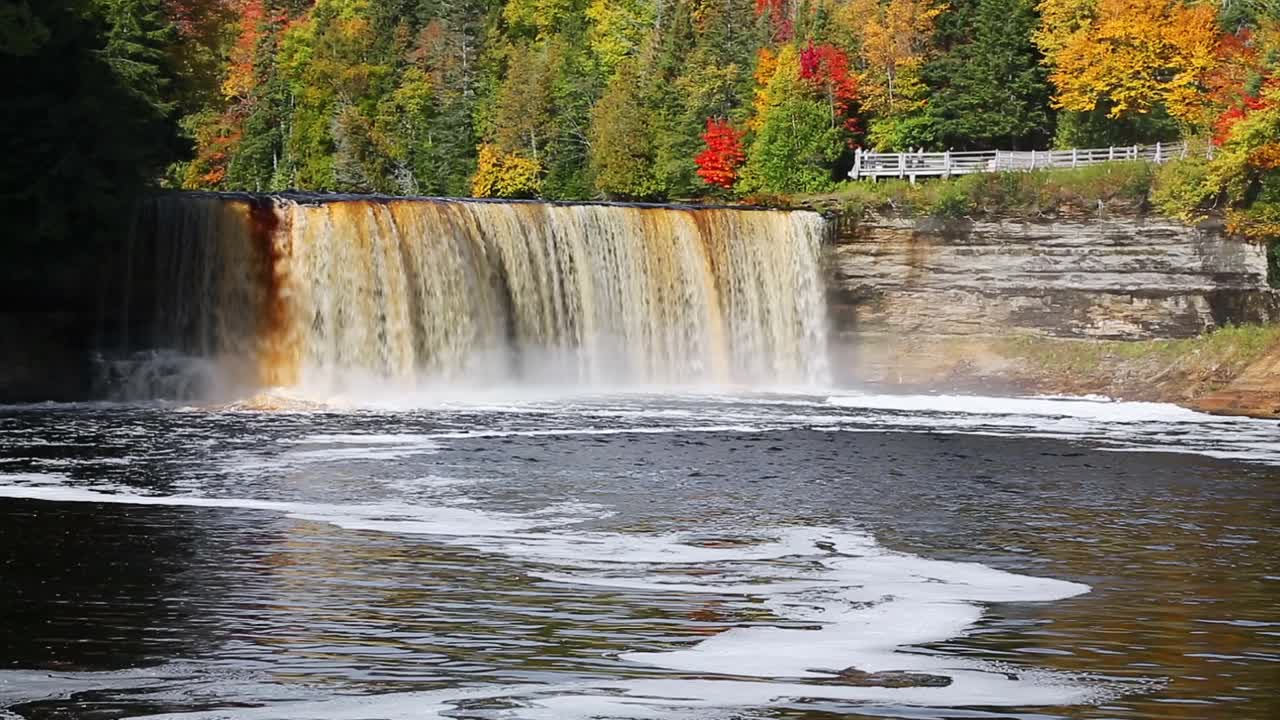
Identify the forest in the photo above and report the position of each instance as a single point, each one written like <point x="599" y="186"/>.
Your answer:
<point x="618" y="99"/>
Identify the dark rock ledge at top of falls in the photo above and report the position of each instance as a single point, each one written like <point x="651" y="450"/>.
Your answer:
<point x="320" y="198"/>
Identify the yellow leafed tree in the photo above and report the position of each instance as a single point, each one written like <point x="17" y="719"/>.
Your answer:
<point x="894" y="38"/>
<point x="505" y="175"/>
<point x="1129" y="56"/>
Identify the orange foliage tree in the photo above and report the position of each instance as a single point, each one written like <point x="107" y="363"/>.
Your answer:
<point x="1130" y="56"/>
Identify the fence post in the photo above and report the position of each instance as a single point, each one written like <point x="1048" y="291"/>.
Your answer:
<point x="1111" y="152"/>
<point x="1074" y="158"/>
<point x="857" y="164"/>
<point x="1157" y="153"/>
<point x="902" y="164"/>
<point x="1033" y="159"/>
<point x="946" y="163"/>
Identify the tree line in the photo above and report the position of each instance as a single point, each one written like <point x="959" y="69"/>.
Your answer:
<point x="629" y="99"/>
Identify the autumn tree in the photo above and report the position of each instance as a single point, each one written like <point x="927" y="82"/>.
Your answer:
<point x="825" y="68"/>
<point x="796" y="143"/>
<point x="1129" y="57"/>
<point x="718" y="164"/>
<point x="618" y="27"/>
<point x="894" y="39"/>
<point x="505" y="175"/>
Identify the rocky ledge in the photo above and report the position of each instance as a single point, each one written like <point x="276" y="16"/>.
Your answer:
<point x="1255" y="393"/>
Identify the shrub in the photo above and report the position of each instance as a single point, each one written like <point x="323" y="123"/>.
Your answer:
<point x="1182" y="189"/>
<point x="951" y="200"/>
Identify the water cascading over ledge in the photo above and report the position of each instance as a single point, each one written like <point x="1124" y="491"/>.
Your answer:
<point x="330" y="294"/>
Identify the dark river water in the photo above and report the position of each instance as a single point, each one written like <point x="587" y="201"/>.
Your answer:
<point x="642" y="556"/>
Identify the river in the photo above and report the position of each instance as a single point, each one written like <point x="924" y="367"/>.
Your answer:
<point x="640" y="555"/>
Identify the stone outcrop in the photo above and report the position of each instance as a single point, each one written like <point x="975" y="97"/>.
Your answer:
<point x="1100" y="278"/>
<point x="1255" y="393"/>
<point x="1011" y="306"/>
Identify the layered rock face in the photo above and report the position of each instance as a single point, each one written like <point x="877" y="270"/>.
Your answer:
<point x="1008" y="306"/>
<point x="1131" y="278"/>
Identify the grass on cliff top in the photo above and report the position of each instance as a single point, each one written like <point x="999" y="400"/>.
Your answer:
<point x="1218" y="354"/>
<point x="1027" y="194"/>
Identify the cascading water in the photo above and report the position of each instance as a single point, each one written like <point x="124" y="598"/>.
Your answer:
<point x="329" y="295"/>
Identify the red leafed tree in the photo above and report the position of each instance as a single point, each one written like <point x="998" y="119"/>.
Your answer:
<point x="718" y="164"/>
<point x="1227" y="120"/>
<point x="1237" y="59"/>
<point x="826" y="69"/>
<point x="241" y="78"/>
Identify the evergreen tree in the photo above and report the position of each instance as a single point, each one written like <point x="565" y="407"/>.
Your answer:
<point x="85" y="127"/>
<point x="991" y="91"/>
<point x="622" y="152"/>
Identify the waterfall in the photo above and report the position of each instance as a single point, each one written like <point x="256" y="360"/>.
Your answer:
<point x="328" y="294"/>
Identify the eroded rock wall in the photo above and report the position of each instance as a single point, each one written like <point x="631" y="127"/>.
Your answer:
<point x="1011" y="306"/>
<point x="1103" y="278"/>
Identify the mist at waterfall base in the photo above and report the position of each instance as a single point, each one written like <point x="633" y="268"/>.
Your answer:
<point x="584" y="462"/>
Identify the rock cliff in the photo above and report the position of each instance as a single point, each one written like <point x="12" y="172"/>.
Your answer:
<point x="1131" y="278"/>
<point x="996" y="305"/>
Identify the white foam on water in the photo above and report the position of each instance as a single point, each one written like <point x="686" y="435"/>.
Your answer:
<point x="656" y="699"/>
<point x="381" y="517"/>
<point x="361" y="439"/>
<point x="1086" y="408"/>
<point x="40" y="479"/>
<point x="1108" y="425"/>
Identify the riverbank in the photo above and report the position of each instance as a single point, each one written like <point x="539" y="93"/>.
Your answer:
<point x="1230" y="371"/>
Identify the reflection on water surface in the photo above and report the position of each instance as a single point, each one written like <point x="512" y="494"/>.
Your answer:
<point x="640" y="556"/>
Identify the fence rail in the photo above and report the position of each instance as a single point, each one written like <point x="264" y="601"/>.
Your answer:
<point x="910" y="165"/>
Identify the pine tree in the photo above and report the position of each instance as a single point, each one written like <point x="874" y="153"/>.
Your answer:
<point x="86" y="126"/>
<point x="991" y="91"/>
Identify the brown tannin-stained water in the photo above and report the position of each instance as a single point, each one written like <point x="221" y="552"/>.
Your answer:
<point x="640" y="556"/>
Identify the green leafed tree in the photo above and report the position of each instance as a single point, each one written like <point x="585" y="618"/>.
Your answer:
<point x="622" y="152"/>
<point x="795" y="144"/>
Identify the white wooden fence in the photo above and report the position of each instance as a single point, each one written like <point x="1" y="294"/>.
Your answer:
<point x="910" y="165"/>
